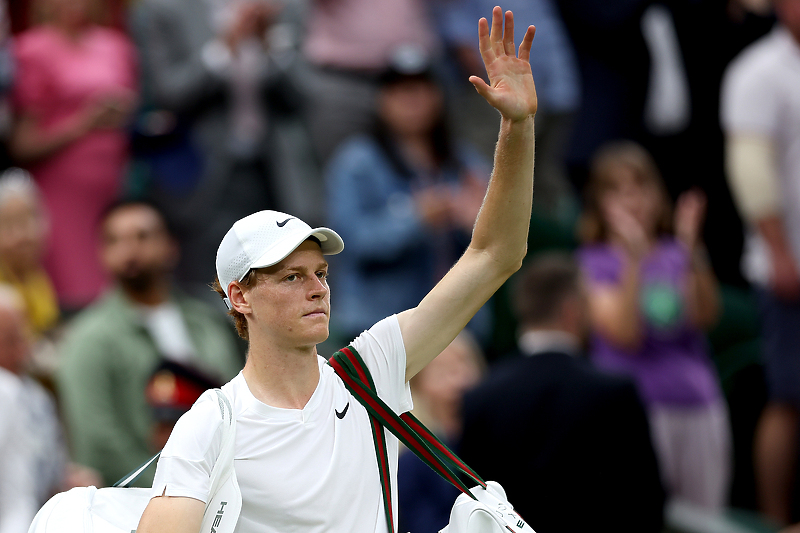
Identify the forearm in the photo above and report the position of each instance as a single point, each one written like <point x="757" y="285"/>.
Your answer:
<point x="501" y="228"/>
<point x="772" y="230"/>
<point x="29" y="143"/>
<point x="702" y="292"/>
<point x="614" y="309"/>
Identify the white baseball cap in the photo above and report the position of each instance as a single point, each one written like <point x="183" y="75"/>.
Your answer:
<point x="264" y="239"/>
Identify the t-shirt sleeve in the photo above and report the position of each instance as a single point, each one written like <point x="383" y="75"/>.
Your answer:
<point x="749" y="104"/>
<point x="384" y="353"/>
<point x="184" y="468"/>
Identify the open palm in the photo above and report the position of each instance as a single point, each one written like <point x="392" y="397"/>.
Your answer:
<point x="511" y="89"/>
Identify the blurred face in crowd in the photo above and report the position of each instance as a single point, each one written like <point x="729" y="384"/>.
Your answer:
<point x="22" y="232"/>
<point x="450" y="375"/>
<point x="410" y="107"/>
<point x="14" y="341"/>
<point x="137" y="250"/>
<point x="788" y="12"/>
<point x="629" y="188"/>
<point x="70" y="13"/>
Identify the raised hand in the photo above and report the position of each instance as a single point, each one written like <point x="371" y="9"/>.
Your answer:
<point x="511" y="89"/>
<point x="690" y="211"/>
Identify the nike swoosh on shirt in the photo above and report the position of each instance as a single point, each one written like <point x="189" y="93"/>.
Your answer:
<point x="282" y="224"/>
<point x="344" y="411"/>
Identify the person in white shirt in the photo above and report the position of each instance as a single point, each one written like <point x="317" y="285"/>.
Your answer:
<point x="304" y="456"/>
<point x="760" y="113"/>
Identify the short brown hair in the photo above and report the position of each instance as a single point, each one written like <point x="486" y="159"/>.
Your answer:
<point x="239" y="320"/>
<point x="592" y="226"/>
<point x="543" y="285"/>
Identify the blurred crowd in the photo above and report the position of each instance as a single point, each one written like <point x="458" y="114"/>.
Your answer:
<point x="641" y="370"/>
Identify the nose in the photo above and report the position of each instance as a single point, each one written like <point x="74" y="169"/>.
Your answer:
<point x="319" y="288"/>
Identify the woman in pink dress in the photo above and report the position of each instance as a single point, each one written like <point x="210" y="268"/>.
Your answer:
<point x="74" y="92"/>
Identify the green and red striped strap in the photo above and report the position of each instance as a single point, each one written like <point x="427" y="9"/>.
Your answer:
<point x="350" y="367"/>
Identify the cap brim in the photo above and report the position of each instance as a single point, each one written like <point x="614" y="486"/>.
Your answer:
<point x="330" y="242"/>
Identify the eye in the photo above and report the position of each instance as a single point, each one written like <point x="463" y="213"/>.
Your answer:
<point x="322" y="275"/>
<point x="292" y="277"/>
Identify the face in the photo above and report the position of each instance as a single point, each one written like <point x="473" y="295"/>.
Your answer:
<point x="137" y="250"/>
<point x="788" y="12"/>
<point x="410" y="107"/>
<point x="72" y="13"/>
<point x="289" y="305"/>
<point x="22" y="233"/>
<point x="451" y="374"/>
<point x="14" y="342"/>
<point x="628" y="190"/>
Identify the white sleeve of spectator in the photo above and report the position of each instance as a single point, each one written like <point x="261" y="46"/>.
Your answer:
<point x="384" y="353"/>
<point x="748" y="105"/>
<point x="184" y="468"/>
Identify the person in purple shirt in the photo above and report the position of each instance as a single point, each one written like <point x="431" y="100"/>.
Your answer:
<point x="652" y="292"/>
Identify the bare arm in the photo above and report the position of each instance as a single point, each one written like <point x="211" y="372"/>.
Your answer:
<point x="751" y="167"/>
<point x="499" y="239"/>
<point x="168" y="514"/>
<point x="30" y="143"/>
<point x="614" y="309"/>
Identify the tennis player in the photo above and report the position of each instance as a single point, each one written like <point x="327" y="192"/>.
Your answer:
<point x="304" y="455"/>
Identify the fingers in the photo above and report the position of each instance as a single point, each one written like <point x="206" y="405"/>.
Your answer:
<point x="527" y="41"/>
<point x="508" y="35"/>
<point x="496" y="37"/>
<point x="484" y="40"/>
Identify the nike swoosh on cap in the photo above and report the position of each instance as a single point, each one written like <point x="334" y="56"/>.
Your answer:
<point x="282" y="224"/>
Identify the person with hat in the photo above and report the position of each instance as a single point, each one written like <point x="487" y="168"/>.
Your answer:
<point x="404" y="198"/>
<point x="304" y="451"/>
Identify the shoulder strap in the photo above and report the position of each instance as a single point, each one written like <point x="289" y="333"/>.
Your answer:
<point x="350" y="367"/>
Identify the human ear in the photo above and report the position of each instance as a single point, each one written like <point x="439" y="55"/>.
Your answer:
<point x="238" y="298"/>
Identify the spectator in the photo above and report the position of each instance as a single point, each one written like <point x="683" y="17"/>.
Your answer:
<point x="171" y="391"/>
<point x="19" y="483"/>
<point x="555" y="431"/>
<point x="651" y="295"/>
<point x="760" y="115"/>
<point x="47" y="465"/>
<point x="348" y="44"/>
<point x="224" y="105"/>
<point x="74" y="91"/>
<point x="405" y="198"/>
<point x="424" y="498"/>
<point x="111" y="349"/>
<point x="23" y="233"/>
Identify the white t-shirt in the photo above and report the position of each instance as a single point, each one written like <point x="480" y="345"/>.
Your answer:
<point x="298" y="469"/>
<point x="168" y="330"/>
<point x="761" y="96"/>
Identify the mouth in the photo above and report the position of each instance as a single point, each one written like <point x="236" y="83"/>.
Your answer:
<point x="316" y="314"/>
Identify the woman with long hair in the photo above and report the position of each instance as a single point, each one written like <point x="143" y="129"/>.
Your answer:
<point x="652" y="293"/>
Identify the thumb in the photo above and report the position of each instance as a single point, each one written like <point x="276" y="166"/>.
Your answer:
<point x="481" y="86"/>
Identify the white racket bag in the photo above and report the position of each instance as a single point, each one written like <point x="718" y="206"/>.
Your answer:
<point x="490" y="513"/>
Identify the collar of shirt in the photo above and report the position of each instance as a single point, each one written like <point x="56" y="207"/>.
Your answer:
<point x="534" y="342"/>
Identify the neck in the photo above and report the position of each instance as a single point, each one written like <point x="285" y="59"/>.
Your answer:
<point x="281" y="377"/>
<point x="72" y="31"/>
<point x="418" y="149"/>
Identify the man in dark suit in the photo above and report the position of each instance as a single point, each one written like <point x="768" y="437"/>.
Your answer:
<point x="570" y="445"/>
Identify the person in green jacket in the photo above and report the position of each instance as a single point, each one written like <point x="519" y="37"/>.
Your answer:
<point x="111" y="348"/>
